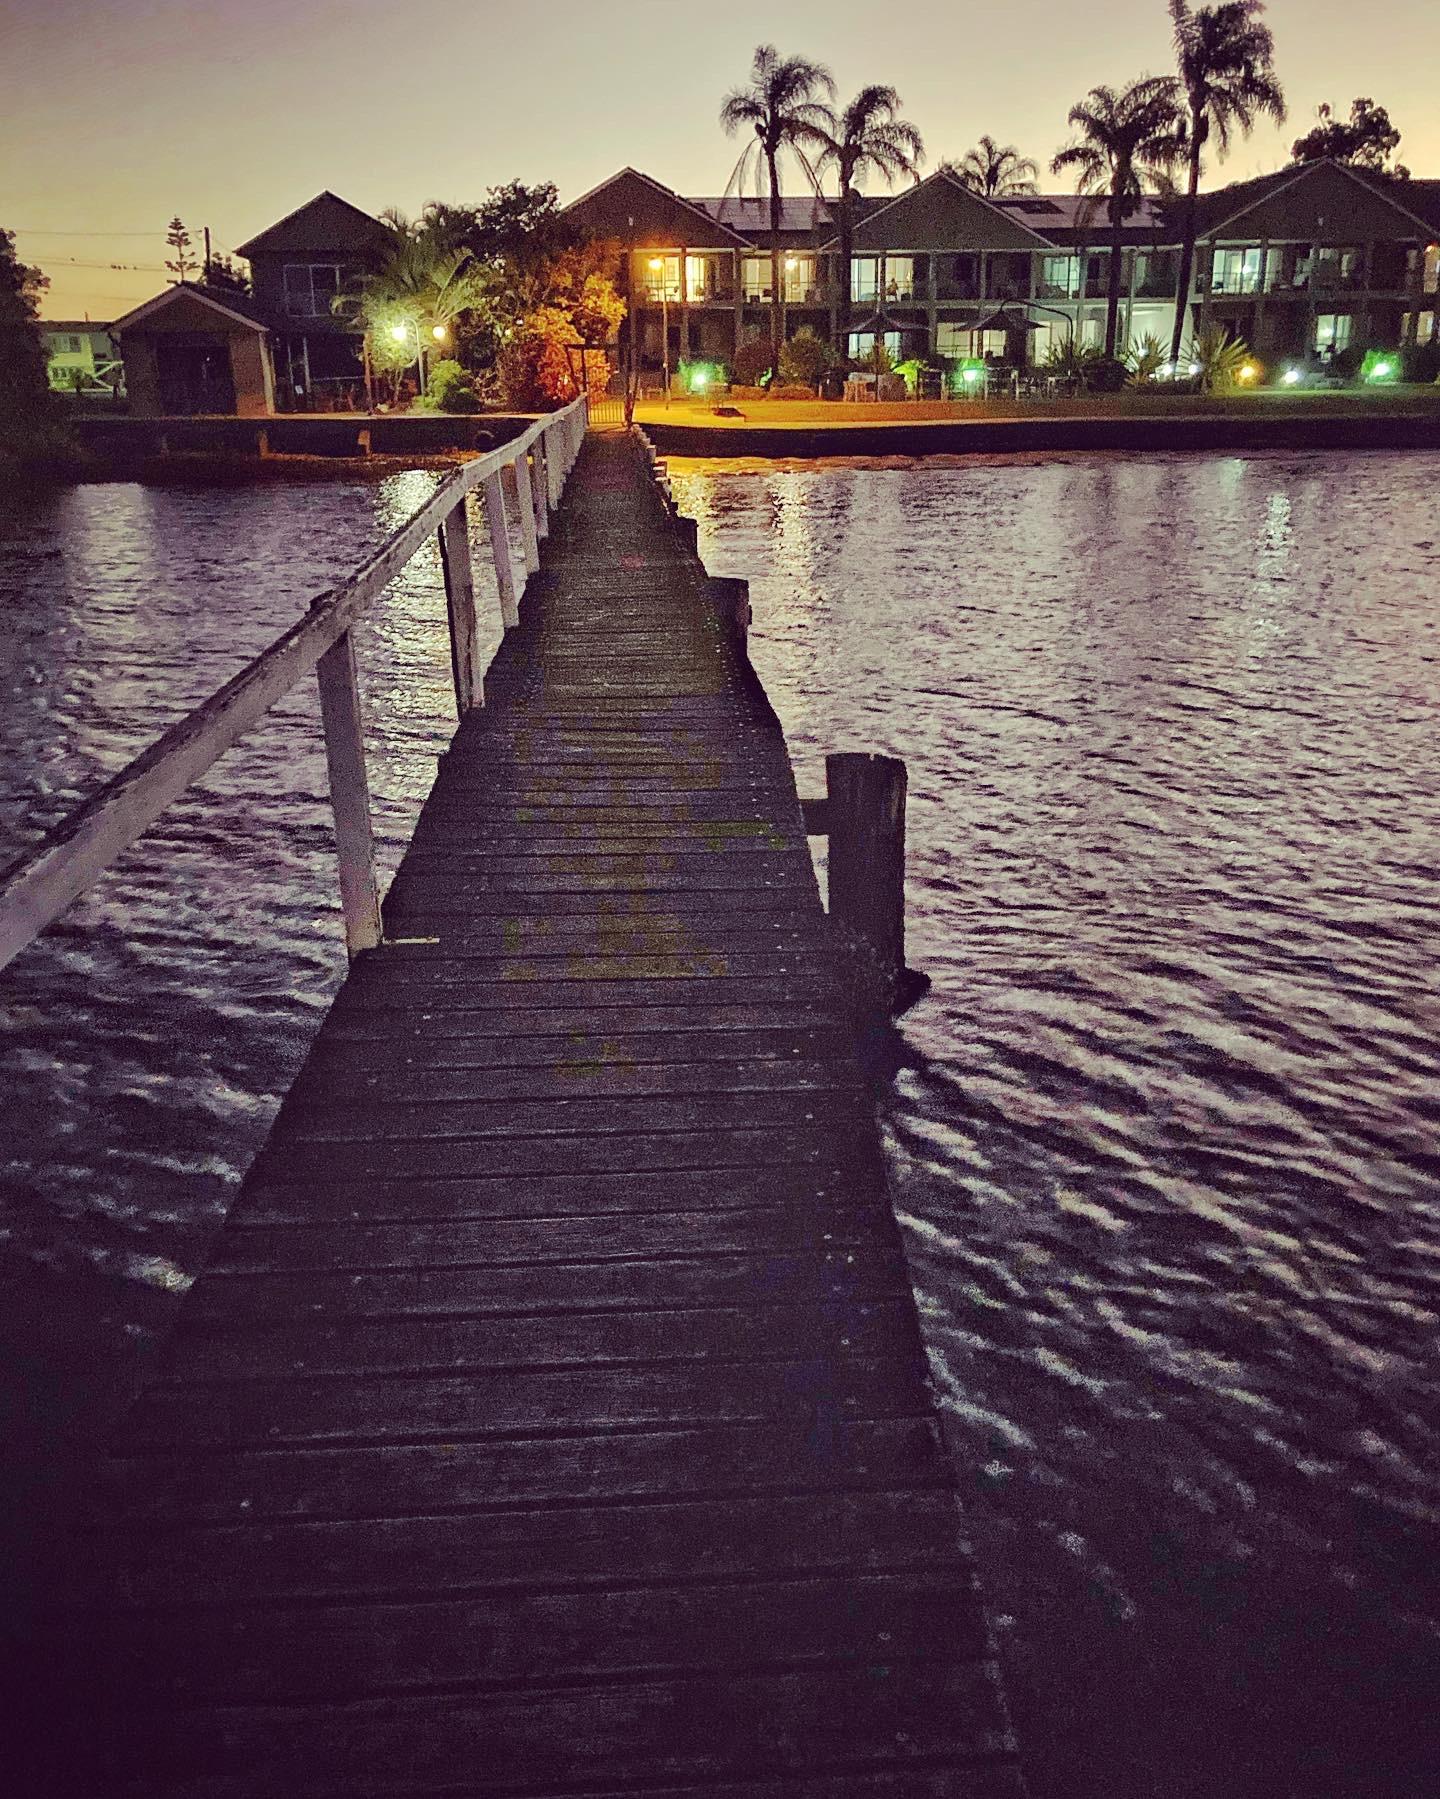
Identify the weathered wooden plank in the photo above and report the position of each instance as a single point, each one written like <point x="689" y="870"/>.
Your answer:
<point x="737" y="1726"/>
<point x="737" y="1538"/>
<point x="464" y="1475"/>
<point x="243" y="1654"/>
<point x="584" y="1241"/>
<point x="274" y="1195"/>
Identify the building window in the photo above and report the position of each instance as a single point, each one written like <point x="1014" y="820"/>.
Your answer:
<point x="1335" y="266"/>
<point x="700" y="281"/>
<point x="1332" y="332"/>
<point x="900" y="278"/>
<point x="1059" y="277"/>
<point x="755" y="277"/>
<point x="657" y="275"/>
<point x="864" y="277"/>
<point x="862" y="343"/>
<point x="1238" y="271"/>
<point x="1156" y="274"/>
<point x="311" y="289"/>
<point x="799" y="279"/>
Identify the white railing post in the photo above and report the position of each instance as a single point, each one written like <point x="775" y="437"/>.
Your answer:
<point x="517" y="473"/>
<point x="539" y="487"/>
<point x="349" y="794"/>
<point x="500" y="550"/>
<point x="460" y="604"/>
<point x="554" y="441"/>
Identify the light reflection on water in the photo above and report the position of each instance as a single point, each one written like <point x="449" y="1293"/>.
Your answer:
<point x="1163" y="1129"/>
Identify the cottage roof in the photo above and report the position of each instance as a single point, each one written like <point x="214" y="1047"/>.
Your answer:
<point x="1270" y="203"/>
<point x="238" y="309"/>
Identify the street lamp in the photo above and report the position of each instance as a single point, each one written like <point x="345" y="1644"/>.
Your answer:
<point x="657" y="265"/>
<point x="401" y="335"/>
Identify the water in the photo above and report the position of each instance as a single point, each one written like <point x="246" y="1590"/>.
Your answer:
<point x="1161" y="1132"/>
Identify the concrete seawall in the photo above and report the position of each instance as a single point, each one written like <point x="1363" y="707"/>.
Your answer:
<point x="1281" y="431"/>
<point x="127" y="442"/>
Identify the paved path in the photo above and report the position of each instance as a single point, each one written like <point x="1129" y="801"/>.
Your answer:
<point x="552" y="1418"/>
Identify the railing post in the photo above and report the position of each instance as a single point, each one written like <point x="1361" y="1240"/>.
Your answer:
<point x="349" y="794"/>
<point x="517" y="474"/>
<point x="460" y="604"/>
<point x="500" y="549"/>
<point x="539" y="487"/>
<point x="554" y="438"/>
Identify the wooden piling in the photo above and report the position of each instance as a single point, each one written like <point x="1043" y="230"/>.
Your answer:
<point x="865" y="819"/>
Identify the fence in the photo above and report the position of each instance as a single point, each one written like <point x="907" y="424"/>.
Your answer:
<point x="534" y="466"/>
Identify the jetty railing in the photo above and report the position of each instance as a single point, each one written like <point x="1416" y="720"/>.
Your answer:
<point x="71" y="856"/>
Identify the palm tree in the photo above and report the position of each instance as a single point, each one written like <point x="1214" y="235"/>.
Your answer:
<point x="1127" y="140"/>
<point x="995" y="170"/>
<point x="1227" y="69"/>
<point x="868" y="137"/>
<point x="782" y="106"/>
<point x="418" y="287"/>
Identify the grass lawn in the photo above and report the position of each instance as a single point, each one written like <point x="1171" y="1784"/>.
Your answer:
<point x="810" y="415"/>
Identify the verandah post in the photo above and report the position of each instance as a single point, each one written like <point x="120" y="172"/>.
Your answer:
<point x="460" y="605"/>
<point x="349" y="794"/>
<point x="500" y="550"/>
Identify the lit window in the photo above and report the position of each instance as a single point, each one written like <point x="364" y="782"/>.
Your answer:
<point x="1237" y="271"/>
<point x="899" y="278"/>
<point x="864" y="277"/>
<point x="1332" y="331"/>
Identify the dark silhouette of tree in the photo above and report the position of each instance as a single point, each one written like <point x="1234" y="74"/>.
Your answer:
<point x="1226" y="58"/>
<point x="995" y="170"/>
<point x="784" y="105"/>
<point x="867" y="137"/>
<point x="222" y="276"/>
<point x="184" y="263"/>
<point x="28" y="421"/>
<point x="1128" y="140"/>
<point x="1367" y="139"/>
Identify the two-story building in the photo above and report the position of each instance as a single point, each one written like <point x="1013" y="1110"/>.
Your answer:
<point x="1303" y="263"/>
<point x="281" y="347"/>
<point x="81" y="357"/>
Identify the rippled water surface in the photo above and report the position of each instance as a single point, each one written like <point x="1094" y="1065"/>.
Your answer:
<point x="1162" y="1131"/>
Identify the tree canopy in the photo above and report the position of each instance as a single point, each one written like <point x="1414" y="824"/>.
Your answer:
<point x="29" y="424"/>
<point x="1367" y="139"/>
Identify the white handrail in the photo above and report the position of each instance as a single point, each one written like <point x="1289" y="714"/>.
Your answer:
<point x="69" y="858"/>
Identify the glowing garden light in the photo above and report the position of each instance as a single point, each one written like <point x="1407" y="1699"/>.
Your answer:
<point x="399" y="333"/>
<point x="439" y="333"/>
<point x="1249" y="373"/>
<point x="1291" y="377"/>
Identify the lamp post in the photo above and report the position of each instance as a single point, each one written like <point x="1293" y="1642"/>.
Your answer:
<point x="657" y="264"/>
<point x="791" y="264"/>
<point x="401" y="334"/>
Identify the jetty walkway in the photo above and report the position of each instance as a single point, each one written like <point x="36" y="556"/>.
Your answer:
<point x="552" y="1416"/>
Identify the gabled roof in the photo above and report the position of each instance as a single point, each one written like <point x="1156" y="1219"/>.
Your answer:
<point x="325" y="212"/>
<point x="1080" y="212"/>
<point x="943" y="195"/>
<point x="1230" y="206"/>
<point x="661" y="199"/>
<point x="239" y="309"/>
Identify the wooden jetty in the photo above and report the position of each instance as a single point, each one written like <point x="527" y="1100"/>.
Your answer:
<point x="552" y="1416"/>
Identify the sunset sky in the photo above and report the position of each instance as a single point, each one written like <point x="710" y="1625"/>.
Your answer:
<point x="115" y="117"/>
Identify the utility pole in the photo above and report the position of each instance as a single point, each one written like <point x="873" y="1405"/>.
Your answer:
<point x="205" y="266"/>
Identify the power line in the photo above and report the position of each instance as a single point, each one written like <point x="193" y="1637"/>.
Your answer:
<point x="75" y="262"/>
<point x="26" y="231"/>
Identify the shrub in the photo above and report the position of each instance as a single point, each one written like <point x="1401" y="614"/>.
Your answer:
<point x="1105" y="375"/>
<point x="1421" y="362"/>
<point x="790" y="390"/>
<point x="747" y="393"/>
<point x="1145" y="361"/>
<point x="450" y="389"/>
<point x="1217" y="359"/>
<point x="752" y="362"/>
<point x="806" y="359"/>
